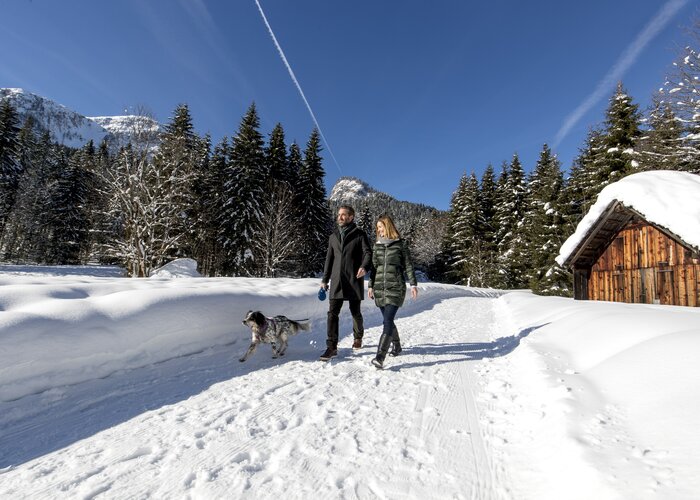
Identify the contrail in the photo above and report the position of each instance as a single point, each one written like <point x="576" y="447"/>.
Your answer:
<point x="296" y="82"/>
<point x="627" y="59"/>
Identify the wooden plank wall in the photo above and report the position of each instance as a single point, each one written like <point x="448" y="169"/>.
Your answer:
<point x="643" y="265"/>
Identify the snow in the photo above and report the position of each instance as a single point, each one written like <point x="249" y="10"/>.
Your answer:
<point x="178" y="268"/>
<point x="131" y="388"/>
<point x="665" y="198"/>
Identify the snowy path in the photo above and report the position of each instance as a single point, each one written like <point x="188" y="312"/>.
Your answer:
<point x="206" y="426"/>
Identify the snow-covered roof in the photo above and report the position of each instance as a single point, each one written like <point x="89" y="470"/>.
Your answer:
<point x="668" y="199"/>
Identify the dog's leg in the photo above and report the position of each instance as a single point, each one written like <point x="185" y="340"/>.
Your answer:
<point x="275" y="351"/>
<point x="250" y="351"/>
<point x="283" y="344"/>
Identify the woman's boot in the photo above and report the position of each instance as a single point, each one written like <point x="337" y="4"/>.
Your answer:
<point x="382" y="349"/>
<point x="395" y="343"/>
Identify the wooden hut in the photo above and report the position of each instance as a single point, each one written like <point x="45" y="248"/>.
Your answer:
<point x="628" y="254"/>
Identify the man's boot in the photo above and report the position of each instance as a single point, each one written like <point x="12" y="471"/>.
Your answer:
<point x="382" y="349"/>
<point x="330" y="352"/>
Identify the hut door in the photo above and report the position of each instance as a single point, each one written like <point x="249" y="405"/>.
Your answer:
<point x="664" y="284"/>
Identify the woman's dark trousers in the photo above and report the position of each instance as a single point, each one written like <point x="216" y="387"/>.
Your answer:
<point x="389" y="313"/>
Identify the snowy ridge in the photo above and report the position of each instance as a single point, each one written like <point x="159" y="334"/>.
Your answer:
<point x="64" y="125"/>
<point x="72" y="129"/>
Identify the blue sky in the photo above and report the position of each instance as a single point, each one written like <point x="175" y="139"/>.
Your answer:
<point x="408" y="94"/>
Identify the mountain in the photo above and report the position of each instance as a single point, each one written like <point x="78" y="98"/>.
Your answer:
<point x="370" y="203"/>
<point x="72" y="129"/>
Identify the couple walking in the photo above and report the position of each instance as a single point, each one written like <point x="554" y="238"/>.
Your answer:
<point x="348" y="260"/>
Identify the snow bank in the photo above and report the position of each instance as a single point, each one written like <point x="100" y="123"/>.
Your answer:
<point x="631" y="377"/>
<point x="65" y="330"/>
<point x="178" y="268"/>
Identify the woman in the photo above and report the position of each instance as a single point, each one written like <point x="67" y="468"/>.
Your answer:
<point x="387" y="285"/>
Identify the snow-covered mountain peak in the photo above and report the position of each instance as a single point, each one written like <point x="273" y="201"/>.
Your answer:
<point x="64" y="125"/>
<point x="350" y="188"/>
<point x="73" y="129"/>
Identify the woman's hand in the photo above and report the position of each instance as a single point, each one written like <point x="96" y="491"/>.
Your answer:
<point x="414" y="292"/>
<point x="370" y="293"/>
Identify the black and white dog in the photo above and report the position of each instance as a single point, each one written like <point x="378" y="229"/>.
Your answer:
<point x="275" y="331"/>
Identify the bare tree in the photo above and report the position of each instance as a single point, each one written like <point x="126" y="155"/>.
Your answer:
<point x="275" y="238"/>
<point x="143" y="203"/>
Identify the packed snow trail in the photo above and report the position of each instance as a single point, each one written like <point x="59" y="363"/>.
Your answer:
<point x="207" y="426"/>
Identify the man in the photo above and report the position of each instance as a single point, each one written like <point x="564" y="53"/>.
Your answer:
<point x="348" y="259"/>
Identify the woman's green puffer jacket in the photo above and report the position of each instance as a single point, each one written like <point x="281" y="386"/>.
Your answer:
<point x="390" y="261"/>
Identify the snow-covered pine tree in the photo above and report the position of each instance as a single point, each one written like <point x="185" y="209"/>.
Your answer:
<point x="19" y="225"/>
<point x="618" y="156"/>
<point x="276" y="158"/>
<point x="209" y="251"/>
<point x="660" y="144"/>
<point x="581" y="189"/>
<point x="682" y="88"/>
<point x="489" y="202"/>
<point x="509" y="216"/>
<point x="10" y="166"/>
<point x="365" y="221"/>
<point x="452" y="247"/>
<point x="315" y="212"/>
<point x="69" y="208"/>
<point x="102" y="227"/>
<point x="178" y="166"/>
<point x="542" y="226"/>
<point x="243" y="192"/>
<point x="474" y="252"/>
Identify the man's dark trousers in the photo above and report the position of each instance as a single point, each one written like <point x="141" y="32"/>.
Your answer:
<point x="358" y="328"/>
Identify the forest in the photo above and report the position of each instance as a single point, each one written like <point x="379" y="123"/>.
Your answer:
<point x="256" y="206"/>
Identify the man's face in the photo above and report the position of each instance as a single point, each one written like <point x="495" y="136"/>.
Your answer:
<point x="344" y="217"/>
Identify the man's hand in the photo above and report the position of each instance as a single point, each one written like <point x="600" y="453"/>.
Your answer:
<point x="324" y="286"/>
<point x="361" y="273"/>
<point x="414" y="292"/>
<point x="370" y="293"/>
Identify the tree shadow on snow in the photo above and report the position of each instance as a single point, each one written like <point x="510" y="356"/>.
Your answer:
<point x="43" y="423"/>
<point x="469" y="351"/>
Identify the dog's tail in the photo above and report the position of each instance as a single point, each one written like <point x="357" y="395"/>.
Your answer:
<point x="301" y="324"/>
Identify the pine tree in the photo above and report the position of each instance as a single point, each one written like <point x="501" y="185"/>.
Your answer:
<point x="659" y="145"/>
<point x="69" y="204"/>
<point x="542" y="226"/>
<point x="489" y="202"/>
<point x="10" y="167"/>
<point x="452" y="248"/>
<point x="178" y="165"/>
<point x="473" y="261"/>
<point x="210" y="191"/>
<point x="276" y="158"/>
<point x="509" y="216"/>
<point x="618" y="155"/>
<point x="682" y="88"/>
<point x="315" y="211"/>
<point x="243" y="192"/>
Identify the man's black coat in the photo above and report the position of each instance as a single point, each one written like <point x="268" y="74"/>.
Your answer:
<point x="344" y="260"/>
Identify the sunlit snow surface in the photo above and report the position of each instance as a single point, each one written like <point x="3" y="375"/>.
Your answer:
<point x="130" y="388"/>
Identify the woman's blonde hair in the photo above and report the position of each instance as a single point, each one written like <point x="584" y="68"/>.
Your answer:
<point x="390" y="228"/>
